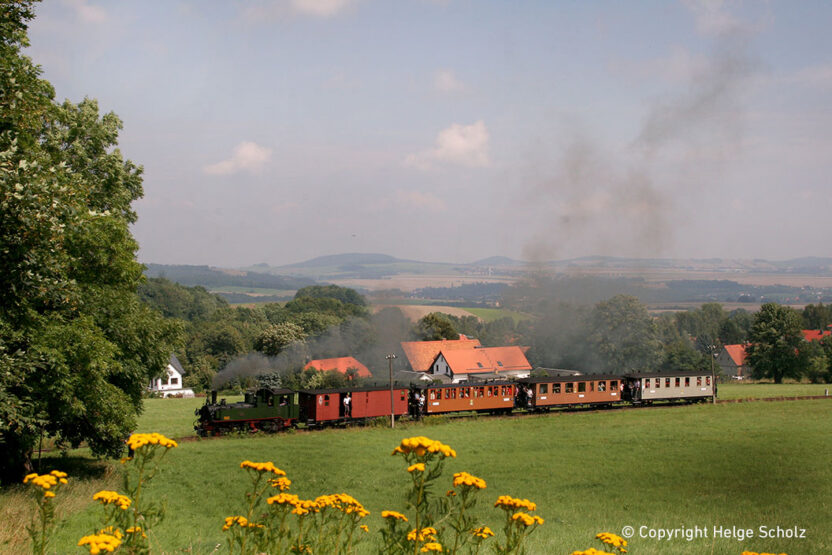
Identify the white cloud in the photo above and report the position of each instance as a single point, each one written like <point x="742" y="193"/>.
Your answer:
<point x="264" y="10"/>
<point x="711" y="16"/>
<point x="320" y="8"/>
<point x="464" y="145"/>
<point x="446" y="81"/>
<point x="85" y="12"/>
<point x="249" y="157"/>
<point x="420" y="200"/>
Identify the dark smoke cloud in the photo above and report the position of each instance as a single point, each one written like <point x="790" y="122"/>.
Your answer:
<point x="608" y="203"/>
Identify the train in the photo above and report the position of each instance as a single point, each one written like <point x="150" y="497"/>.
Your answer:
<point x="273" y="410"/>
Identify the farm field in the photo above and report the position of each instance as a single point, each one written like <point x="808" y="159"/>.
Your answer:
<point x="734" y="465"/>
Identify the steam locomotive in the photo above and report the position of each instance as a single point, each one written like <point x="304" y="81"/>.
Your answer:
<point x="273" y="410"/>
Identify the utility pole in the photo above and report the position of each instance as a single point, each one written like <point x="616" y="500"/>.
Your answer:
<point x="392" y="401"/>
<point x="712" y="352"/>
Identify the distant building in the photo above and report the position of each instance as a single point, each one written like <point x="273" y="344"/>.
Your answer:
<point x="481" y="362"/>
<point x="421" y="354"/>
<point x="815" y="335"/>
<point x="341" y="364"/>
<point x="171" y="384"/>
<point x="732" y="360"/>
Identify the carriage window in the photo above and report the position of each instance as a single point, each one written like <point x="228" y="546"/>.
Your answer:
<point x="402" y="392"/>
<point x="613" y="384"/>
<point x="698" y="381"/>
<point x="433" y="395"/>
<point x="581" y="387"/>
<point x="602" y="386"/>
<point x="544" y="388"/>
<point x="707" y="380"/>
<point x="556" y="388"/>
<point x="592" y="386"/>
<point x="677" y="382"/>
<point x="488" y="391"/>
<point x="326" y="400"/>
<point x="447" y="394"/>
<point x="667" y="382"/>
<point x="270" y="401"/>
<point x="658" y="383"/>
<point x="647" y="383"/>
<point x="570" y="387"/>
<point x="687" y="382"/>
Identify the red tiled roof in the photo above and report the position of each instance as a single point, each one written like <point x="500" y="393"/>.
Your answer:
<point x="815" y="335"/>
<point x="737" y="353"/>
<point x="421" y="354"/>
<point x="486" y="360"/>
<point x="339" y="365"/>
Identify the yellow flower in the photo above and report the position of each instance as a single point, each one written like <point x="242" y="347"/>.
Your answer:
<point x="424" y="534"/>
<point x="49" y="494"/>
<point x="364" y="527"/>
<point x="612" y="539"/>
<point x="263" y="467"/>
<point x="394" y="515"/>
<point x="281" y="483"/>
<point x="137" y="441"/>
<point x="431" y="546"/>
<point x="465" y="479"/>
<point x="44" y="481"/>
<point x="107" y="497"/>
<point x="510" y="503"/>
<point x="526" y="519"/>
<point x="418" y="467"/>
<point x="97" y="543"/>
<point x="483" y="532"/>
<point x="421" y="446"/>
<point x="592" y="551"/>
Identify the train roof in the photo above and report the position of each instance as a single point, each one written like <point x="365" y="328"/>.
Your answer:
<point x="680" y="373"/>
<point x="561" y="379"/>
<point x="350" y="390"/>
<point x="468" y="383"/>
<point x="274" y="390"/>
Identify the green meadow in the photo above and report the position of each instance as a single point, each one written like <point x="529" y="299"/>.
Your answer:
<point x="730" y="466"/>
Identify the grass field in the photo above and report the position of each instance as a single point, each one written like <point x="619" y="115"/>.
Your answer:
<point x="491" y="314"/>
<point x="745" y="465"/>
<point x="768" y="390"/>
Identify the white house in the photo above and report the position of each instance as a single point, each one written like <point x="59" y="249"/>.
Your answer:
<point x="171" y="386"/>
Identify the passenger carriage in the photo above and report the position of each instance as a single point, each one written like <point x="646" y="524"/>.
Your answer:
<point x="469" y="396"/>
<point x="553" y="391"/>
<point x="670" y="386"/>
<point x="322" y="407"/>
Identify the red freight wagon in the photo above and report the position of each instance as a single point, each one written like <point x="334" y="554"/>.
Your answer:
<point x="324" y="406"/>
<point x="573" y="390"/>
<point x="477" y="397"/>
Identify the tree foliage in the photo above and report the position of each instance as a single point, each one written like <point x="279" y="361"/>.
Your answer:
<point x="776" y="341"/>
<point x="77" y="347"/>
<point x="623" y="336"/>
<point x="435" y="326"/>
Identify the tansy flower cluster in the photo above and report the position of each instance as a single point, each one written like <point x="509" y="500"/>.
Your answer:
<point x="483" y="532"/>
<point x="281" y="483"/>
<point x="299" y="506"/>
<point x="394" y="515"/>
<point x="465" y="479"/>
<point x="46" y="481"/>
<point x="510" y="503"/>
<point x="755" y="553"/>
<point x="137" y="441"/>
<point x="526" y="519"/>
<point x="421" y="445"/>
<point x="97" y="543"/>
<point x="347" y="504"/>
<point x="431" y="546"/>
<point x="107" y="497"/>
<point x="424" y="534"/>
<point x="418" y="467"/>
<point x="263" y="467"/>
<point x="592" y="551"/>
<point x="241" y="521"/>
<point x="614" y="540"/>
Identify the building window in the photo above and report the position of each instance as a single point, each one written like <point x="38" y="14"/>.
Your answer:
<point x="499" y="363"/>
<point x="174" y="381"/>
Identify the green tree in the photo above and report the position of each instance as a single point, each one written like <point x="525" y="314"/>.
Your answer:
<point x="776" y="341"/>
<point x="276" y="338"/>
<point x="435" y="326"/>
<point x="623" y="336"/>
<point x="77" y="347"/>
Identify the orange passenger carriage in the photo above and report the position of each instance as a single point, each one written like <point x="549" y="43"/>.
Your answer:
<point x="473" y="396"/>
<point x="544" y="392"/>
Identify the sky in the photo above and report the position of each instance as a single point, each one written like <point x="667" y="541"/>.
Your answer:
<point x="453" y="130"/>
